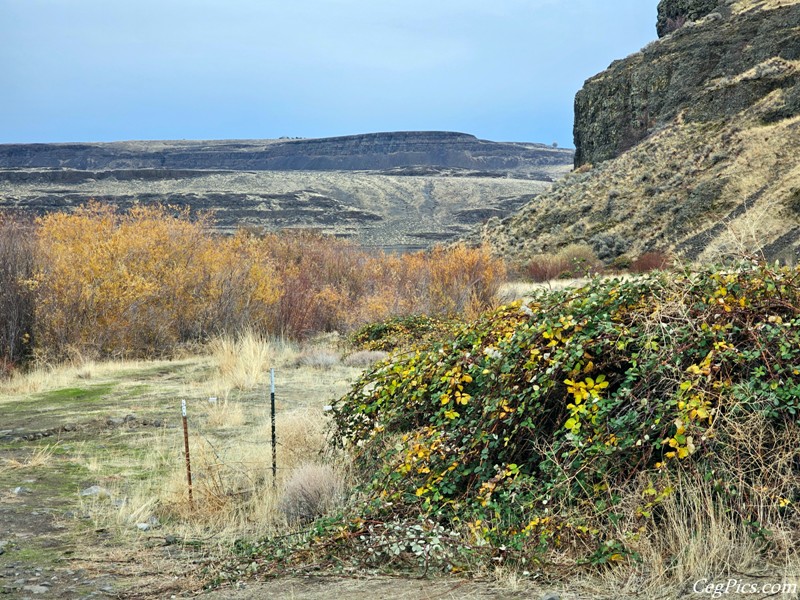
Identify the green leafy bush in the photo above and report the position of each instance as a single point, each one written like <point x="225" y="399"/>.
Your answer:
<point x="525" y="427"/>
<point x="398" y="332"/>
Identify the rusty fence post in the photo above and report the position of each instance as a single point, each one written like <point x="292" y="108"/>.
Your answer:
<point x="186" y="450"/>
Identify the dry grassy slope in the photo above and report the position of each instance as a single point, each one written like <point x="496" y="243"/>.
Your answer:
<point x="377" y="210"/>
<point x="699" y="187"/>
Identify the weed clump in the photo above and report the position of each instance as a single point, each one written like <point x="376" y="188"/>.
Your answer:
<point x="311" y="491"/>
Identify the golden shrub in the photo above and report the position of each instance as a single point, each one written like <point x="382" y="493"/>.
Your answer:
<point x="143" y="282"/>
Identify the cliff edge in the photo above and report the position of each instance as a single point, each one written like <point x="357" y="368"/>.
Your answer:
<point x="689" y="145"/>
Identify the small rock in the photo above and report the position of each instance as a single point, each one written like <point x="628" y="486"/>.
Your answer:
<point x="70" y="427"/>
<point x="115" y="421"/>
<point x="143" y="526"/>
<point x="3" y="544"/>
<point x="551" y="596"/>
<point x="170" y="539"/>
<point x="35" y="589"/>
<point x="96" y="490"/>
<point x="130" y="417"/>
<point x="157" y="423"/>
<point x="19" y="491"/>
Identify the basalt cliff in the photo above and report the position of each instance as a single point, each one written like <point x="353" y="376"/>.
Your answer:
<point x="373" y="151"/>
<point x="688" y="146"/>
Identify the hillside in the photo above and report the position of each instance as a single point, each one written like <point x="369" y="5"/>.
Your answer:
<point x="688" y="145"/>
<point x="391" y="190"/>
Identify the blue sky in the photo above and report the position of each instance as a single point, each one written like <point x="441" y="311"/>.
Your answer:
<point x="104" y="70"/>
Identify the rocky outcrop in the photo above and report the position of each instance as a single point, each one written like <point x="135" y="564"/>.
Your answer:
<point x="706" y="71"/>
<point x="674" y="14"/>
<point x="688" y="146"/>
<point x="376" y="151"/>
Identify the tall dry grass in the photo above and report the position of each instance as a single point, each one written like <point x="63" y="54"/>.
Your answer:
<point x="736" y="522"/>
<point x="242" y="361"/>
<point x="233" y="490"/>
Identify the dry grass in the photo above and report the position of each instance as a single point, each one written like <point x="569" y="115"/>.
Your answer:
<point x="233" y="490"/>
<point x="364" y="358"/>
<point x="40" y="457"/>
<point x="243" y="362"/>
<point x="699" y="532"/>
<point x="747" y="5"/>
<point x="319" y="358"/>
<point x="221" y="412"/>
<point x="521" y="290"/>
<point x="696" y="537"/>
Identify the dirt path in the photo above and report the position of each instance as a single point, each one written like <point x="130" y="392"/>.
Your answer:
<point x="381" y="588"/>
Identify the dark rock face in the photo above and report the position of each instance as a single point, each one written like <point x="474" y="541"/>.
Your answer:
<point x="703" y="72"/>
<point x="673" y="14"/>
<point x="689" y="147"/>
<point x="377" y="151"/>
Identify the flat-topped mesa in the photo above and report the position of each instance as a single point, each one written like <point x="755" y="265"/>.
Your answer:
<point x="374" y="151"/>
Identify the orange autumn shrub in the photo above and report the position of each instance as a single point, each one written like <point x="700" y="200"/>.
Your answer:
<point x="118" y="285"/>
<point x="321" y="279"/>
<point x="141" y="283"/>
<point x="463" y="280"/>
<point x="438" y="282"/>
<point x="243" y="289"/>
<point x="144" y="282"/>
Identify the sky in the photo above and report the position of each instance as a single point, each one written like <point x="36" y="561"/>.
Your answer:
<point x="109" y="70"/>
